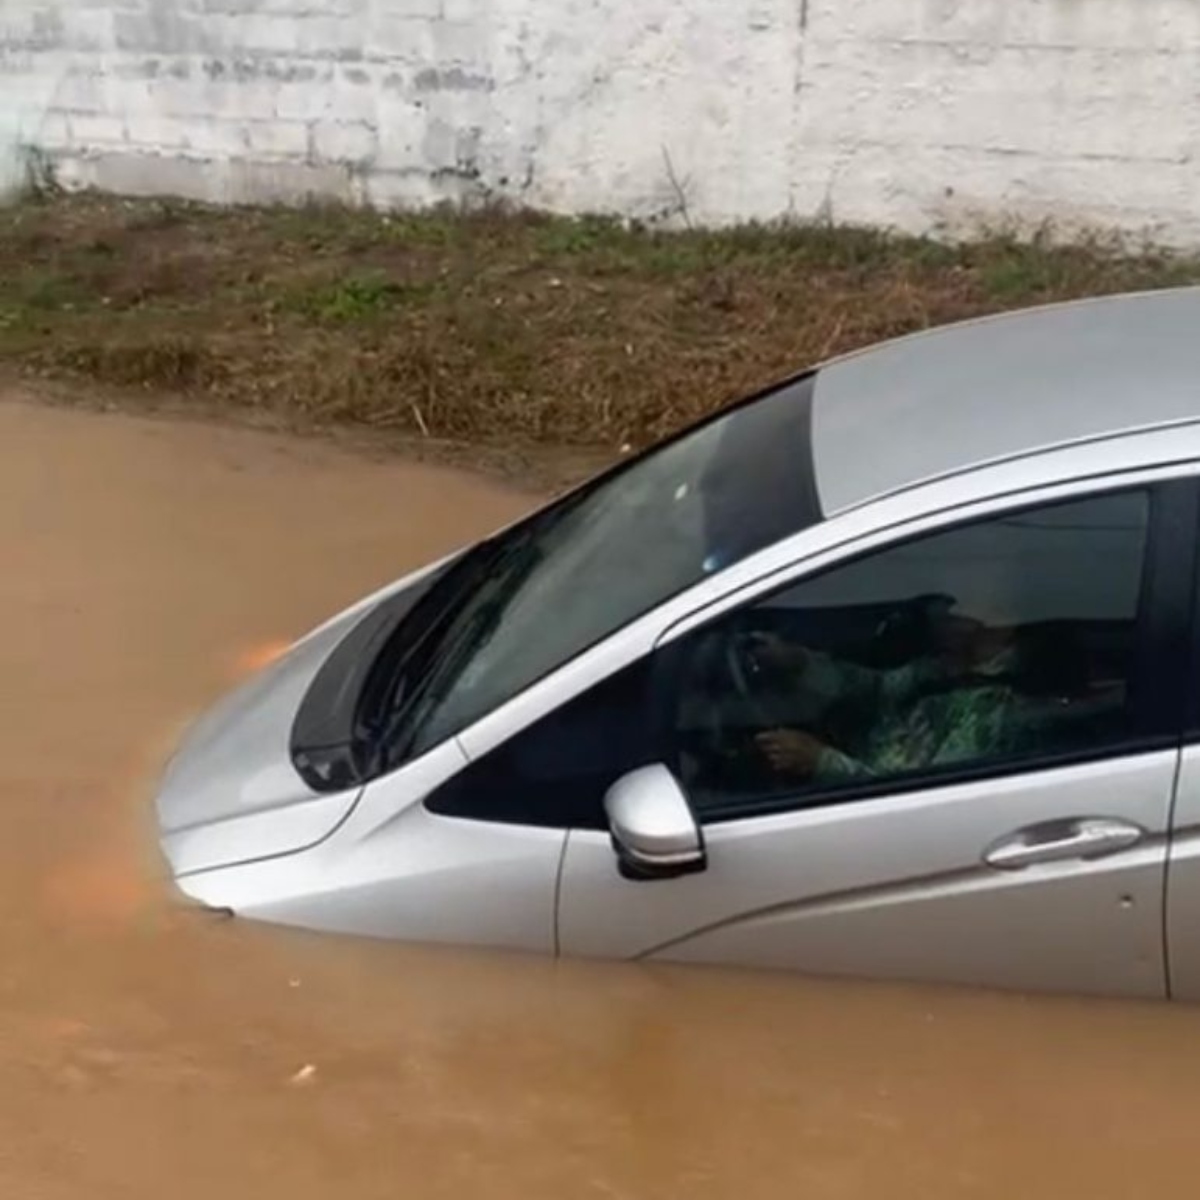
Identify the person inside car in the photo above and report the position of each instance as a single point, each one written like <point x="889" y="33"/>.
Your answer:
<point x="961" y="702"/>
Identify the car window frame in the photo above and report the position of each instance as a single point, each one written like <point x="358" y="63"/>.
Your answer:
<point x="1167" y="629"/>
<point x="1190" y="735"/>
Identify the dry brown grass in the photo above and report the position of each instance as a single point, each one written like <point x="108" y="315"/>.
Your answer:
<point x="489" y="326"/>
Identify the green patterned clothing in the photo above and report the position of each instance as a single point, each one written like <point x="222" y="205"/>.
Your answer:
<point x="920" y="717"/>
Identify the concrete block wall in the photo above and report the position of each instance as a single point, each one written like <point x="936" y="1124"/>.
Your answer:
<point x="920" y="114"/>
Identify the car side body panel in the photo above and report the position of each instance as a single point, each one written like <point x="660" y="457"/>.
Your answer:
<point x="897" y="887"/>
<point x="394" y="870"/>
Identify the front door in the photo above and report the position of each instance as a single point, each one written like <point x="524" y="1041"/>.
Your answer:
<point x="951" y="760"/>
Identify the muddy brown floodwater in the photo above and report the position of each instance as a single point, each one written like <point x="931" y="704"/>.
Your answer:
<point x="145" y="1052"/>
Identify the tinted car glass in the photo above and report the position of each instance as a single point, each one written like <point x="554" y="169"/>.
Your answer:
<point x="556" y="772"/>
<point x="993" y="644"/>
<point x="525" y="604"/>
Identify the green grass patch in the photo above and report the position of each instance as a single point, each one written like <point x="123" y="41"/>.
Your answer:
<point x="491" y="325"/>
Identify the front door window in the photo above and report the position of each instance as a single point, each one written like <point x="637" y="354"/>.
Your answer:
<point x="994" y="645"/>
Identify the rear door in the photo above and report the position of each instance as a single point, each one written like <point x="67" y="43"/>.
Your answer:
<point x="1007" y="830"/>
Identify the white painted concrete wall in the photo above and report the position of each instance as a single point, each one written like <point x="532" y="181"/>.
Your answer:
<point x="923" y="114"/>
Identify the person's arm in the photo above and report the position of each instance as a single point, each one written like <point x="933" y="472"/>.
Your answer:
<point x="836" y="680"/>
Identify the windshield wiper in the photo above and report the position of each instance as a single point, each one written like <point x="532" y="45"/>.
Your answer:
<point x="432" y="666"/>
<point x="437" y="611"/>
<point x="410" y="714"/>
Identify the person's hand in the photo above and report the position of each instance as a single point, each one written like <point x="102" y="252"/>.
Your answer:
<point x="791" y="751"/>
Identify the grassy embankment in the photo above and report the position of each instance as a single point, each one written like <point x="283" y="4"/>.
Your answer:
<point x="492" y="327"/>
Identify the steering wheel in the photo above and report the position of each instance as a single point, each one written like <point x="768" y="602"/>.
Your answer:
<point x="744" y="669"/>
<point x="741" y="662"/>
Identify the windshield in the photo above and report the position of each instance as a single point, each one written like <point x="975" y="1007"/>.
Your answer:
<point x="529" y="601"/>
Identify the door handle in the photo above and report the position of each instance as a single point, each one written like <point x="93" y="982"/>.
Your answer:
<point x="1059" y="841"/>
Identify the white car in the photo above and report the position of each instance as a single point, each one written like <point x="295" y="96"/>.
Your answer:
<point x="892" y="670"/>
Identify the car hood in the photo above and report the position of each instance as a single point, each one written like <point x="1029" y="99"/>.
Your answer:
<point x="231" y="792"/>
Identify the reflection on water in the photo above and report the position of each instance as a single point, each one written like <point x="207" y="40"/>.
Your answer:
<point x="146" y="1049"/>
<point x="258" y="657"/>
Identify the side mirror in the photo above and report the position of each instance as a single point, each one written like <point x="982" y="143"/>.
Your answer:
<point x="654" y="832"/>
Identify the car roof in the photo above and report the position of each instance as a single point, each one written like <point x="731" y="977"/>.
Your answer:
<point x="943" y="402"/>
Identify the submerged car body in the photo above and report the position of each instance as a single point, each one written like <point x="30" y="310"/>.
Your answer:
<point x="571" y="739"/>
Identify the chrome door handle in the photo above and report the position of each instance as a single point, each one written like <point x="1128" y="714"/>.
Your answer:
<point x="1058" y="841"/>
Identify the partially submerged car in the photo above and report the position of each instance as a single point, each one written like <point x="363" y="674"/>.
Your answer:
<point x="892" y="670"/>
